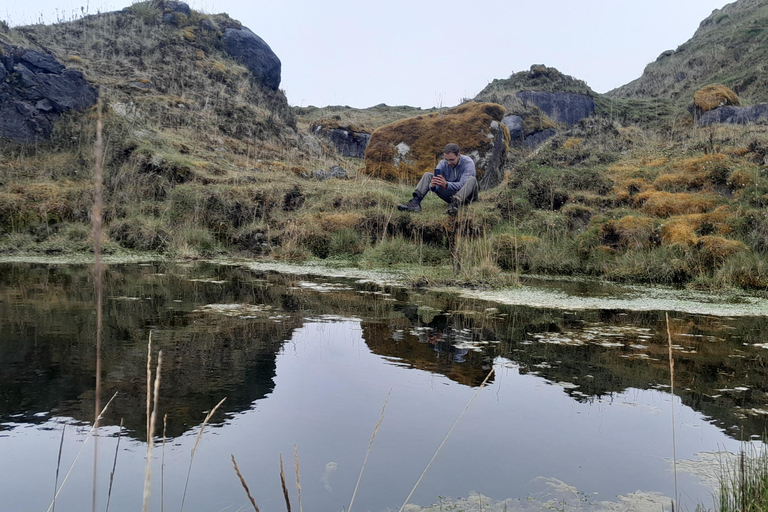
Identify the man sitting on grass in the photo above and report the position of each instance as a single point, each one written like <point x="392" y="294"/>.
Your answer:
<point x="453" y="181"/>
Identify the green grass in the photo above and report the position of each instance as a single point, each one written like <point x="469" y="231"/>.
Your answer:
<point x="744" y="482"/>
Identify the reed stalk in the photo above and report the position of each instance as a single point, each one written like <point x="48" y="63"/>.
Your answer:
<point x="285" y="487"/>
<point x="151" y="443"/>
<point x="96" y="221"/>
<point x="149" y="380"/>
<point x="162" y="467"/>
<point x="114" y="464"/>
<point x="482" y="385"/>
<point x="66" y="477"/>
<point x="58" y="465"/>
<point x="672" y="392"/>
<point x="298" y="482"/>
<point x="194" y="449"/>
<point x="368" y="451"/>
<point x="245" y="486"/>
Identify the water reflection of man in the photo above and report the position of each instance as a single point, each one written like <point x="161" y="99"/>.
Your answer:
<point x="441" y="340"/>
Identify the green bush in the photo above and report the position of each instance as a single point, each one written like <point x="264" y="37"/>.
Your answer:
<point x="346" y="242"/>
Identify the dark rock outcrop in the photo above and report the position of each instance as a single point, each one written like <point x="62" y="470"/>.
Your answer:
<point x="347" y="141"/>
<point x="562" y="107"/>
<point x="35" y="89"/>
<point x="757" y="114"/>
<point x="245" y="46"/>
<point x="515" y="125"/>
<point x="537" y="138"/>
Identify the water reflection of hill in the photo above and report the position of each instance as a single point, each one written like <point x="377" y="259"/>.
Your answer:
<point x="221" y="328"/>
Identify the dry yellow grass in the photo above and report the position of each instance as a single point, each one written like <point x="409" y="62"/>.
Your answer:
<point x="336" y="221"/>
<point x="629" y="232"/>
<point x="665" y="204"/>
<point x="679" y="232"/>
<point x="625" y="189"/>
<point x="680" y="182"/>
<point x="718" y="248"/>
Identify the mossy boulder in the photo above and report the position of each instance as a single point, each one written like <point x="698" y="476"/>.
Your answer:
<point x="404" y="150"/>
<point x="711" y="97"/>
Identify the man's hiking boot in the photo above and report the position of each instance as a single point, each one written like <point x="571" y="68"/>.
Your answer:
<point x="414" y="205"/>
<point x="453" y="210"/>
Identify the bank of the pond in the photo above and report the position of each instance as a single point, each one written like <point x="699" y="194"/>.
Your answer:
<point x="576" y="293"/>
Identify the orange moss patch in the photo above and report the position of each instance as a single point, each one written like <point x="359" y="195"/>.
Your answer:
<point x="704" y="163"/>
<point x="713" y="96"/>
<point x="665" y="204"/>
<point x="423" y="138"/>
<point x="624" y="190"/>
<point x="717" y="248"/>
<point x="630" y="232"/>
<point x="679" y="232"/>
<point x="337" y="221"/>
<point x="679" y="182"/>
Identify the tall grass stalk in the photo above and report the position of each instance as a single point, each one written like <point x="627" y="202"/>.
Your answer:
<point x="151" y="435"/>
<point x="162" y="467"/>
<point x="245" y="486"/>
<point x="368" y="451"/>
<point x="482" y="385"/>
<point x="114" y="464"/>
<point x="58" y="465"/>
<point x="672" y="392"/>
<point x="285" y="487"/>
<point x="90" y="433"/>
<point x="149" y="380"/>
<point x="298" y="482"/>
<point x="194" y="449"/>
<point x="96" y="220"/>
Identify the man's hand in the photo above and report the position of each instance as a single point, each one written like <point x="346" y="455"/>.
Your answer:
<point x="439" y="181"/>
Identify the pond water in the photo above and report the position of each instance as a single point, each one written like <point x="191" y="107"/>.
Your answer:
<point x="576" y="414"/>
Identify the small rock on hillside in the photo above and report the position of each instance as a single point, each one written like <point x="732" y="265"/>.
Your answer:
<point x="348" y="140"/>
<point x="404" y="150"/>
<point x="35" y="89"/>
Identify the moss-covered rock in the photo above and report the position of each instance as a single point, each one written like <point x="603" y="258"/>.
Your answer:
<point x="711" y="97"/>
<point x="404" y="150"/>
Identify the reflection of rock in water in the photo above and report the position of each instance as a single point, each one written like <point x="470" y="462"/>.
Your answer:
<point x="220" y="328"/>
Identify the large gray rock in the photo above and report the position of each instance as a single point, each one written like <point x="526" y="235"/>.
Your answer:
<point x="245" y="46"/>
<point x="562" y="107"/>
<point x="515" y="125"/>
<point x="348" y="142"/>
<point x="757" y="114"/>
<point x="35" y="89"/>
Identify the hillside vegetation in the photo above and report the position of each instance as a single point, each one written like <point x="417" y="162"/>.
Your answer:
<point x="730" y="47"/>
<point x="202" y="161"/>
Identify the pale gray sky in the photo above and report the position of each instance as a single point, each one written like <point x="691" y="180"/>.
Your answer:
<point x="429" y="53"/>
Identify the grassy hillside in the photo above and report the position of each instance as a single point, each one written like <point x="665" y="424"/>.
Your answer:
<point x="202" y="161"/>
<point x="730" y="47"/>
